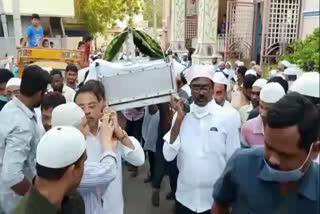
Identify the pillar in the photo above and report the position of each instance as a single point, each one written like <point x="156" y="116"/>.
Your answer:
<point x="177" y="39"/>
<point x="207" y="32"/>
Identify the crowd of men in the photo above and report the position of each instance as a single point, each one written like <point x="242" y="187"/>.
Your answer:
<point x="230" y="140"/>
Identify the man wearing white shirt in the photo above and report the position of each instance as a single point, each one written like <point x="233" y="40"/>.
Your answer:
<point x="220" y="87"/>
<point x="91" y="98"/>
<point x="97" y="174"/>
<point x="202" y="140"/>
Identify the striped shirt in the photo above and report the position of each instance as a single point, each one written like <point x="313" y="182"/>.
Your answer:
<point x="96" y="178"/>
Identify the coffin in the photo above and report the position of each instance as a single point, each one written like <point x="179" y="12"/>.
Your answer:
<point x="134" y="84"/>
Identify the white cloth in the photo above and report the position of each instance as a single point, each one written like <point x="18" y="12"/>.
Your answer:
<point x="233" y="113"/>
<point x="150" y="130"/>
<point x="187" y="89"/>
<point x="113" y="198"/>
<point x="202" y="148"/>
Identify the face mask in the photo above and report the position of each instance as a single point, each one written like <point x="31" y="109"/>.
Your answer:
<point x="286" y="176"/>
<point x="3" y="98"/>
<point x="199" y="111"/>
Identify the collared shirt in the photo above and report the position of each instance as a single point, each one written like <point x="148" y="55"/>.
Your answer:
<point x="246" y="186"/>
<point x="19" y="138"/>
<point x="67" y="92"/>
<point x="96" y="177"/>
<point x="252" y="132"/>
<point x="244" y="112"/>
<point x="133" y="114"/>
<point x="112" y="197"/>
<point x="202" y="148"/>
<point x="35" y="203"/>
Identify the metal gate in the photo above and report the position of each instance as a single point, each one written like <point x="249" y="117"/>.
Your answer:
<point x="239" y="29"/>
<point x="280" y="27"/>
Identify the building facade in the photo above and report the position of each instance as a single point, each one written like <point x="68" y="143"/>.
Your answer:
<point x="254" y="29"/>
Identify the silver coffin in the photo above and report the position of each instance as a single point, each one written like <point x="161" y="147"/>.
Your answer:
<point x="131" y="85"/>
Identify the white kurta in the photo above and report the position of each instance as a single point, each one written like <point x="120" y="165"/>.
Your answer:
<point x="202" y="148"/>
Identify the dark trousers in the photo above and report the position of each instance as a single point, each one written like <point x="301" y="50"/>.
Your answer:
<point x="162" y="167"/>
<point x="134" y="129"/>
<point x="184" y="210"/>
<point x="151" y="163"/>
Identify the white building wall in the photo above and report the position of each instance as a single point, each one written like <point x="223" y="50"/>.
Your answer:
<point x="310" y="17"/>
<point x="53" y="8"/>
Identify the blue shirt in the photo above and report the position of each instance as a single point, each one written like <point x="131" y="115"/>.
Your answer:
<point x="19" y="138"/>
<point x="247" y="187"/>
<point x="34" y="36"/>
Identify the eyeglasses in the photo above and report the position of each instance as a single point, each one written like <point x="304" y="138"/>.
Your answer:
<point x="198" y="88"/>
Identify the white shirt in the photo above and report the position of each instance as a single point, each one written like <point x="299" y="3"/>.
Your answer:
<point x="67" y="92"/>
<point x="203" y="148"/>
<point x="150" y="127"/>
<point x="112" y="197"/>
<point x="233" y="113"/>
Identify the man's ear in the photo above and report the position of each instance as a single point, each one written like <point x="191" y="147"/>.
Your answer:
<point x="315" y="150"/>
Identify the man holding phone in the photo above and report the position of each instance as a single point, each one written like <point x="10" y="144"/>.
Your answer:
<point x="202" y="140"/>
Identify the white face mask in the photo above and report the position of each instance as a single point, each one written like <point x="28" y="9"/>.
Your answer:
<point x="199" y="111"/>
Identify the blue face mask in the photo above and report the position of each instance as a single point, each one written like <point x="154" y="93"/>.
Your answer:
<point x="286" y="176"/>
<point x="3" y="98"/>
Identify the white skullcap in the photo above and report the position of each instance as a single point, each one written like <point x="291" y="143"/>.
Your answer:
<point x="291" y="71"/>
<point x="48" y="69"/>
<point x="273" y="73"/>
<point x="220" y="78"/>
<point x="253" y="62"/>
<point x="14" y="82"/>
<point x="272" y="92"/>
<point x="285" y="63"/>
<point x="280" y="74"/>
<point x="184" y="54"/>
<point x="197" y="71"/>
<point x="60" y="147"/>
<point x="307" y="84"/>
<point x="260" y="83"/>
<point x="240" y="63"/>
<point x="237" y="62"/>
<point x="69" y="114"/>
<point x="252" y="72"/>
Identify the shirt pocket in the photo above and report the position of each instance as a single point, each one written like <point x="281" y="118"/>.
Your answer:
<point x="216" y="141"/>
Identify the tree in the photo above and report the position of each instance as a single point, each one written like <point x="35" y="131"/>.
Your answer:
<point x="98" y="15"/>
<point x="305" y="53"/>
<point x="149" y="11"/>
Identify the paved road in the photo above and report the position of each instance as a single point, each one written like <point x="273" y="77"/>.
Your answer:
<point x="137" y="194"/>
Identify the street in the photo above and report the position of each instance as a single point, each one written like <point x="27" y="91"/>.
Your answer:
<point x="137" y="194"/>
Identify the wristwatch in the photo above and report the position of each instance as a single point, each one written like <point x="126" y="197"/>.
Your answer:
<point x="124" y="135"/>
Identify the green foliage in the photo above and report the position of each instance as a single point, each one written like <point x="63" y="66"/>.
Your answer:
<point x="115" y="46"/>
<point x="305" y="53"/>
<point x="98" y="15"/>
<point x="149" y="11"/>
<point x="146" y="44"/>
